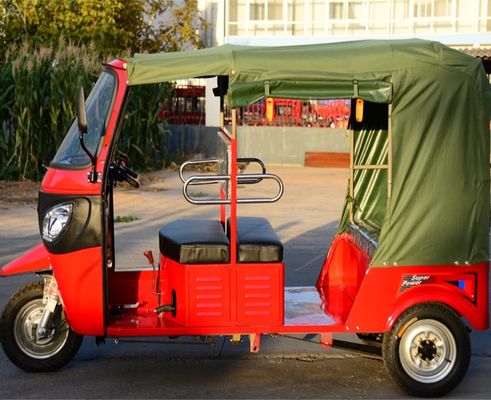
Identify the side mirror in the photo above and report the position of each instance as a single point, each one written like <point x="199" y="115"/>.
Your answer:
<point x="81" y="113"/>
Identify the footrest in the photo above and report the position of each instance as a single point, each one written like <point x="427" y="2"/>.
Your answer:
<point x="195" y="241"/>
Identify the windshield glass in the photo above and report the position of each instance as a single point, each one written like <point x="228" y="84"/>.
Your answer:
<point x="98" y="103"/>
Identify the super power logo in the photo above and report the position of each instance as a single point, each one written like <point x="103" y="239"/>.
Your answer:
<point x="410" y="281"/>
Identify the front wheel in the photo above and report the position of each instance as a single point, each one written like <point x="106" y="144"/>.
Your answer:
<point x="18" y="325"/>
<point x="428" y="350"/>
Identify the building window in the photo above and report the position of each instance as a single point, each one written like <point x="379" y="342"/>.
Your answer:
<point x="275" y="10"/>
<point x="355" y="10"/>
<point x="336" y="10"/>
<point x="443" y="8"/>
<point x="232" y="11"/>
<point x="257" y="10"/>
<point x="422" y="8"/>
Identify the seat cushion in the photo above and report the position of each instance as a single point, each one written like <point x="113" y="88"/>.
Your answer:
<point x="257" y="241"/>
<point x="195" y="241"/>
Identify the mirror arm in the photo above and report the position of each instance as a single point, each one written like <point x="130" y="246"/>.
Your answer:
<point x="82" y="127"/>
<point x="93" y="175"/>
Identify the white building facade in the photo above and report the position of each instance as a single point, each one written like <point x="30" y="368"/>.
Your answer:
<point x="453" y="22"/>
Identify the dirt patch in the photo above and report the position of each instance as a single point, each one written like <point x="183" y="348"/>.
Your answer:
<point x="18" y="193"/>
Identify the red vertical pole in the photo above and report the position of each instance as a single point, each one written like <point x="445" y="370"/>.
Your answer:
<point x="233" y="219"/>
<point x="233" y="190"/>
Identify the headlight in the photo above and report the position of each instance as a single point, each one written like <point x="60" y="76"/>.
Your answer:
<point x="56" y="220"/>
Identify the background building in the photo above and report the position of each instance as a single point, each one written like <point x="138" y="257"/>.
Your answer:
<point x="453" y="22"/>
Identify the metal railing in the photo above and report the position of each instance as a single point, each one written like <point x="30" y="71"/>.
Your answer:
<point x="241" y="179"/>
<point x="216" y="161"/>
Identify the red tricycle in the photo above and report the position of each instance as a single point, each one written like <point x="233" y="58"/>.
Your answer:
<point x="409" y="264"/>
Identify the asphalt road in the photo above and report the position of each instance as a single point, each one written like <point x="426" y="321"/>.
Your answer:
<point x="306" y="219"/>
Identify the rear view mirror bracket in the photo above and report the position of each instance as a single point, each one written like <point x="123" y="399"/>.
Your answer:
<point x="92" y="176"/>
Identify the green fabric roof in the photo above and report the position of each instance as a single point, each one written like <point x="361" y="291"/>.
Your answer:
<point x="308" y="71"/>
<point x="438" y="212"/>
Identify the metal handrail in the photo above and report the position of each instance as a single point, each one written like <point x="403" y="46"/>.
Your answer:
<point x="202" y="180"/>
<point x="216" y="161"/>
<point x="196" y="162"/>
<point x="252" y="160"/>
<point x="249" y="177"/>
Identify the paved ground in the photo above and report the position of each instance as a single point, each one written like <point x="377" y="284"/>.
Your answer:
<point x="306" y="219"/>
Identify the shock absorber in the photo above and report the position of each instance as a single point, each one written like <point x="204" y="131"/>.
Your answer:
<point x="50" y="301"/>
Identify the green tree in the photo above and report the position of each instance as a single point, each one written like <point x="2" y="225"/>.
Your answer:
<point x="171" y="26"/>
<point x="113" y="26"/>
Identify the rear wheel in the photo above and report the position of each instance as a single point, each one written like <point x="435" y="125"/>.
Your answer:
<point x="428" y="350"/>
<point x="18" y="326"/>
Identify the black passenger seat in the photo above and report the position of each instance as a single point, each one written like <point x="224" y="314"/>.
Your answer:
<point x="257" y="241"/>
<point x="195" y="241"/>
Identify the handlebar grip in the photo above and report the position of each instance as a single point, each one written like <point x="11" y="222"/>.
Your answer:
<point x="128" y="171"/>
<point x="132" y="181"/>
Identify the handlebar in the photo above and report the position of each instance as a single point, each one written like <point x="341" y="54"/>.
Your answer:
<point x="203" y="180"/>
<point x="121" y="172"/>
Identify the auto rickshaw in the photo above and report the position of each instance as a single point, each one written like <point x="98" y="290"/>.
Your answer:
<point x="409" y="265"/>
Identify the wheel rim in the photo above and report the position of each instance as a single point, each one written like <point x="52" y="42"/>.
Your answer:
<point x="428" y="351"/>
<point x="25" y="326"/>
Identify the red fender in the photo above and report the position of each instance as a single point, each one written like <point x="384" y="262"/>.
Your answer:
<point x="34" y="260"/>
<point x="476" y="314"/>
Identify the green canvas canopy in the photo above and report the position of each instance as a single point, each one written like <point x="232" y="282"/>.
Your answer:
<point x="438" y="209"/>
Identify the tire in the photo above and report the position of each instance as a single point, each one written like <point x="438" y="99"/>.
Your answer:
<point x="18" y="326"/>
<point x="428" y="350"/>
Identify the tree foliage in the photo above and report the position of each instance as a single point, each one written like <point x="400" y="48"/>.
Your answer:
<point x="37" y="106"/>
<point x="49" y="47"/>
<point x="113" y="26"/>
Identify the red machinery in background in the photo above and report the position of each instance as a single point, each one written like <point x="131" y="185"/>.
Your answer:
<point x="187" y="107"/>
<point x="291" y="112"/>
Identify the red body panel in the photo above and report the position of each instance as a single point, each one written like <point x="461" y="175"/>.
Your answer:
<point x="379" y="296"/>
<point x="80" y="273"/>
<point x="260" y="295"/>
<point x="130" y="288"/>
<point x="341" y="276"/>
<point x="380" y="301"/>
<point x="205" y="297"/>
<point x="34" y="260"/>
<point x="202" y="293"/>
<point x="80" y="282"/>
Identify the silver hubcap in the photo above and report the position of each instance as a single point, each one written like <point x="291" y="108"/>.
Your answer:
<point x="427" y="351"/>
<point x="25" y="325"/>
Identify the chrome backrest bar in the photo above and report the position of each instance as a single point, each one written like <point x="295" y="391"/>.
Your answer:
<point x="256" y="161"/>
<point x="251" y="177"/>
<point x="203" y="180"/>
<point x="195" y="162"/>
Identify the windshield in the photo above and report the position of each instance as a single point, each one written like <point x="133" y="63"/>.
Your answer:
<point x="98" y="103"/>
